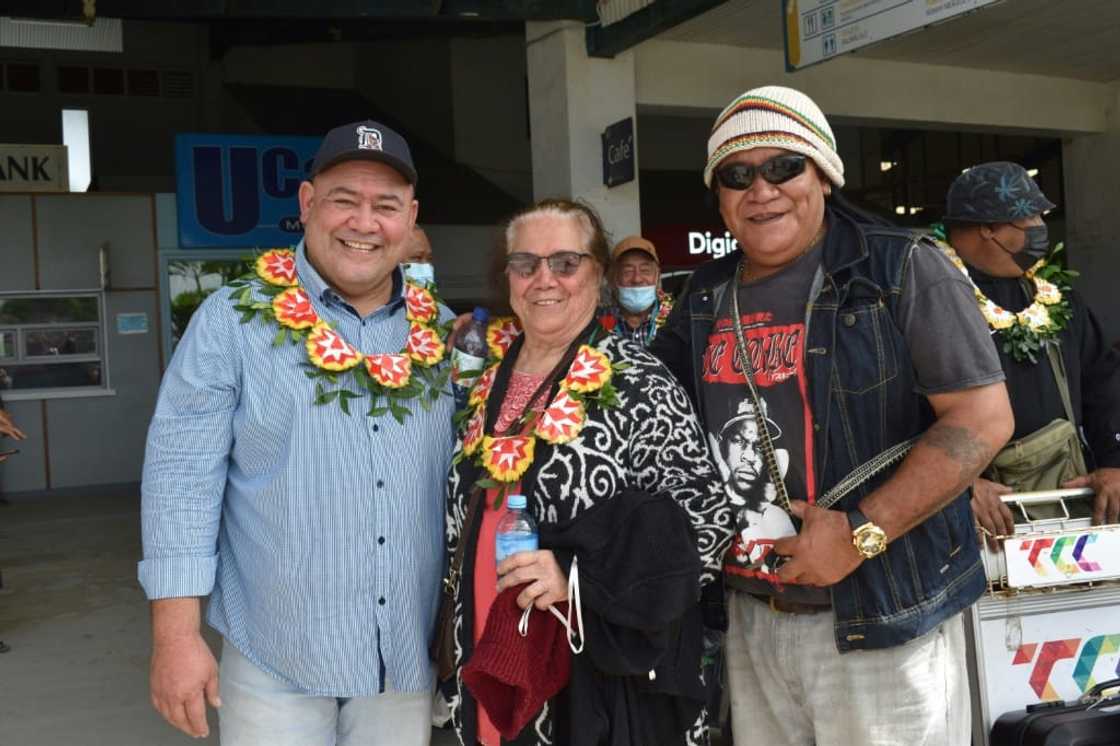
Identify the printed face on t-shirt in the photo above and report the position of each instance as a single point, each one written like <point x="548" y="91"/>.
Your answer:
<point x="742" y="456"/>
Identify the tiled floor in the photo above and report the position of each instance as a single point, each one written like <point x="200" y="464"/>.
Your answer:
<point x="77" y="624"/>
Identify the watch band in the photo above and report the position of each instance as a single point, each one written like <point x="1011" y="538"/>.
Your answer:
<point x="856" y="518"/>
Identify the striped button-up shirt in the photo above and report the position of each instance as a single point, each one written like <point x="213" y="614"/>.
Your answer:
<point x="318" y="536"/>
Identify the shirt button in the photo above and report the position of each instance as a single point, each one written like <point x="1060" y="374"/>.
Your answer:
<point x="380" y="539"/>
<point x="816" y="427"/>
<point x="380" y="483"/>
<point x="381" y="601"/>
<point x="375" y="428"/>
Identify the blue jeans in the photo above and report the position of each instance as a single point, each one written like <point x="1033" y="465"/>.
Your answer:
<point x="258" y="708"/>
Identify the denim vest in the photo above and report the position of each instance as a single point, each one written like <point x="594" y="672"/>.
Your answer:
<point x="861" y="388"/>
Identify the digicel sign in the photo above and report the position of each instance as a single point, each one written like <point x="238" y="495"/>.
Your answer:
<point x="683" y="246"/>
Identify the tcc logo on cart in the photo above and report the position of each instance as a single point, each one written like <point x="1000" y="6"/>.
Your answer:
<point x="1062" y="559"/>
<point x="1052" y="651"/>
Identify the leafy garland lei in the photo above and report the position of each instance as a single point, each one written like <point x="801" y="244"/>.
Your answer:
<point x="504" y="460"/>
<point x="1023" y="334"/>
<point x="397" y="378"/>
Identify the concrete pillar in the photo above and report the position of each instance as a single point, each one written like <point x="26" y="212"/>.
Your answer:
<point x="572" y="99"/>
<point x="1091" y="164"/>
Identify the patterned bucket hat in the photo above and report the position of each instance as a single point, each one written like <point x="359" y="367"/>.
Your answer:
<point x="996" y="192"/>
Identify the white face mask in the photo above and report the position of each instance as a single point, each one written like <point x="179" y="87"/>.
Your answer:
<point x="636" y="300"/>
<point x="420" y="273"/>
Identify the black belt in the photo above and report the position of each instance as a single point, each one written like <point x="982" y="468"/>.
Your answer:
<point x="789" y="607"/>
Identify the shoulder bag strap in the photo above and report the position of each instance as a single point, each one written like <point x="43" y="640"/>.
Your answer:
<point x="748" y="374"/>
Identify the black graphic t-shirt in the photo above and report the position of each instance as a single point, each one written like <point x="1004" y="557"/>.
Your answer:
<point x="950" y="348"/>
<point x="773" y="321"/>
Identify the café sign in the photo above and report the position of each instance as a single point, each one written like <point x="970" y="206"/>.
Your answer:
<point x="618" y="153"/>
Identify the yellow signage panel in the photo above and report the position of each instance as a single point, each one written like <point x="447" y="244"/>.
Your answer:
<point x="34" y="168"/>
<point x="817" y="30"/>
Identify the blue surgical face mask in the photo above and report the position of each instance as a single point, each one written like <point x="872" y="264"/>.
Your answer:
<point x="420" y="273"/>
<point x="636" y="300"/>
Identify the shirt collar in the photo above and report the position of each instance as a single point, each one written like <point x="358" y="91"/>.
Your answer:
<point x="317" y="287"/>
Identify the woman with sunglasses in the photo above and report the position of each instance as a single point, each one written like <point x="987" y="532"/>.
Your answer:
<point x="586" y="418"/>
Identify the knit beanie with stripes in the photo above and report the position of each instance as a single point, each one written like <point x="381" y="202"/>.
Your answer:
<point x="774" y="117"/>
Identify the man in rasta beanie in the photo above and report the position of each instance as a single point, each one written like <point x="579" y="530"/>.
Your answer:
<point x="865" y="347"/>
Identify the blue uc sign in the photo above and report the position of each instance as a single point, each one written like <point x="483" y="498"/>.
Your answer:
<point x="240" y="190"/>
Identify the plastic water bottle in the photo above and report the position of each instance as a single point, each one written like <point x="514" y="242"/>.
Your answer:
<point x="517" y="531"/>
<point x="469" y="355"/>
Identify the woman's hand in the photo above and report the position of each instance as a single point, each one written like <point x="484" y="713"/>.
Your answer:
<point x="457" y="327"/>
<point x="547" y="583"/>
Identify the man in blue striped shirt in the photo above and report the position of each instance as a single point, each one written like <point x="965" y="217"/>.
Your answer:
<point x="317" y="536"/>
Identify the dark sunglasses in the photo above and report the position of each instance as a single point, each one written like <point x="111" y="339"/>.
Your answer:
<point x="777" y="170"/>
<point x="561" y="264"/>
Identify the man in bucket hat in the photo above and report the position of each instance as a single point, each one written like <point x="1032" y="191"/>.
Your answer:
<point x="317" y="536"/>
<point x="1062" y="377"/>
<point x="861" y="341"/>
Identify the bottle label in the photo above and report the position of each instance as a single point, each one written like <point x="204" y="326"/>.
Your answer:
<point x="513" y="542"/>
<point x="465" y="362"/>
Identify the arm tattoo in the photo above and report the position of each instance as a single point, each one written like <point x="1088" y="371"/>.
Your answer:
<point x="971" y="453"/>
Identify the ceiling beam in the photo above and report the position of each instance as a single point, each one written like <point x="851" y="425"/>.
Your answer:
<point x="660" y="15"/>
<point x="219" y="10"/>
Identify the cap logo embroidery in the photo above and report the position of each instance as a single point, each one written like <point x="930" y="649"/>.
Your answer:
<point x="369" y="138"/>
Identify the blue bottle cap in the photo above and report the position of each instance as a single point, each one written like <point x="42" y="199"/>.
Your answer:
<point x="517" y="501"/>
<point x="480" y="314"/>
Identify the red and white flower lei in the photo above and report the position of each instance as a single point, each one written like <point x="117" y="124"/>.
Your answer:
<point x="506" y="459"/>
<point x="388" y="375"/>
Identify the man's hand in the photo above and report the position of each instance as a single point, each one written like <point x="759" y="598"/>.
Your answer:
<point x="991" y="513"/>
<point x="547" y="583"/>
<point x="8" y="428"/>
<point x="183" y="672"/>
<point x="823" y="553"/>
<point x="1106" y="483"/>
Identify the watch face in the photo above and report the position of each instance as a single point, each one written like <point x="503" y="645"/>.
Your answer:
<point x="870" y="541"/>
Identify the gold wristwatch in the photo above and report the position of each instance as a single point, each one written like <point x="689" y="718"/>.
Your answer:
<point x="868" y="539"/>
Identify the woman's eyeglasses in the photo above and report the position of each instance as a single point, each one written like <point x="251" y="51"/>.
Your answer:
<point x="777" y="170"/>
<point x="561" y="264"/>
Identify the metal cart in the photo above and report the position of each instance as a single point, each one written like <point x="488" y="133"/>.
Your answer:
<point x="1049" y="626"/>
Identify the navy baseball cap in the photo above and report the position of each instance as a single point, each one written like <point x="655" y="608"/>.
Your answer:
<point x="996" y="192"/>
<point x="364" y="141"/>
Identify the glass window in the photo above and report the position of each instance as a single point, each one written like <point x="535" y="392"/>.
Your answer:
<point x="7" y="344"/>
<point x="60" y="342"/>
<point x="190" y="281"/>
<point x="51" y="342"/>
<point x="48" y="310"/>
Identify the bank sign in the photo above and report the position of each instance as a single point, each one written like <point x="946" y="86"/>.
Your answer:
<point x="34" y="168"/>
<point x="240" y="190"/>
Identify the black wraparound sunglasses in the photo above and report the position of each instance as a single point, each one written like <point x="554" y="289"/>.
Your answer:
<point x="776" y="170"/>
<point x="561" y="264"/>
